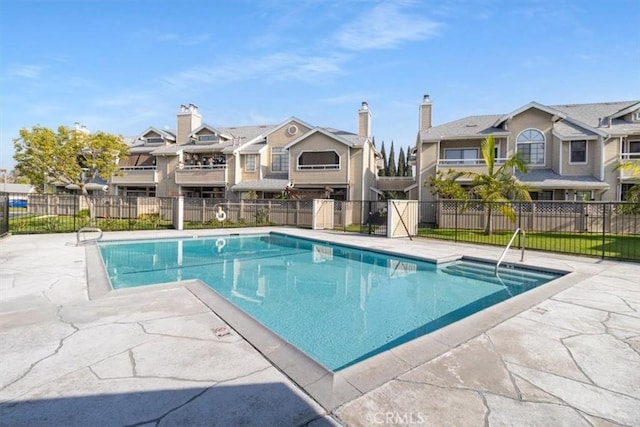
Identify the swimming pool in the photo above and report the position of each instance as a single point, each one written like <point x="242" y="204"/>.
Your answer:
<point x="337" y="304"/>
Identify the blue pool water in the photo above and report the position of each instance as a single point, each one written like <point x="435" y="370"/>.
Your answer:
<point x="337" y="304"/>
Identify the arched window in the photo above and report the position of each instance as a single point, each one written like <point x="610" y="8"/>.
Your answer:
<point x="530" y="146"/>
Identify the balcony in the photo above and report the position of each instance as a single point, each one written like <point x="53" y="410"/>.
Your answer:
<point x="467" y="165"/>
<point x="629" y="157"/>
<point x="201" y="175"/>
<point x="136" y="175"/>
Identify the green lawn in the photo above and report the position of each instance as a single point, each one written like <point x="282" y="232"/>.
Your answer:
<point x="591" y="244"/>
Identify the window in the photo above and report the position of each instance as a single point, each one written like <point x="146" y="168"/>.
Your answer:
<point x="634" y="146"/>
<point x="459" y="156"/>
<point x="584" y="196"/>
<point x="319" y="160"/>
<point x="624" y="191"/>
<point x="250" y="163"/>
<point x="155" y="140"/>
<point x="207" y="138"/>
<point x="541" y="195"/>
<point x="279" y="160"/>
<point x="530" y="146"/>
<point x="578" y="152"/>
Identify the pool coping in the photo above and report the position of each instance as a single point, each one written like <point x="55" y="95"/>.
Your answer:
<point x="332" y="389"/>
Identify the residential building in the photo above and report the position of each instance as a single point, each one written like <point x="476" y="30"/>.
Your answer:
<point x="571" y="151"/>
<point x="292" y="158"/>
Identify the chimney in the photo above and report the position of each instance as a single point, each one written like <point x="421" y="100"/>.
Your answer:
<point x="425" y="113"/>
<point x="189" y="119"/>
<point x="364" y="121"/>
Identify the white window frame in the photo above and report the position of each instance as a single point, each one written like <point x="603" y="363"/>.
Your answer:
<point x="319" y="167"/>
<point x="586" y="152"/>
<point x="253" y="158"/>
<point x="543" y="142"/>
<point x="154" y="140"/>
<point x="282" y="152"/>
<point x="207" y="138"/>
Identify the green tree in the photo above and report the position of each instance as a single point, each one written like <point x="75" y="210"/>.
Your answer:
<point x="70" y="156"/>
<point x="446" y="185"/>
<point x="497" y="186"/>
<point x="409" y="168"/>
<point x="633" y="166"/>
<point x="383" y="153"/>
<point x="391" y="168"/>
<point x="402" y="168"/>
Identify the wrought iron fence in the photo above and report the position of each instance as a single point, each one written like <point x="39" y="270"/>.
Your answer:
<point x="60" y="213"/>
<point x="601" y="229"/>
<point x="4" y="214"/>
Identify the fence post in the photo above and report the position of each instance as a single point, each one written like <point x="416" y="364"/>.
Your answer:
<point x="519" y="222"/>
<point x="604" y="228"/>
<point x="455" y="232"/>
<point x="178" y="212"/>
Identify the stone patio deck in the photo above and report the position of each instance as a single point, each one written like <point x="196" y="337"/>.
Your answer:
<point x="153" y="356"/>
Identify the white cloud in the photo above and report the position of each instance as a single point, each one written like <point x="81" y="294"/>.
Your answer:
<point x="384" y="27"/>
<point x="276" y="66"/>
<point x="26" y="71"/>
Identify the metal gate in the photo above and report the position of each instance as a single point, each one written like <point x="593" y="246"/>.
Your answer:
<point x="375" y="218"/>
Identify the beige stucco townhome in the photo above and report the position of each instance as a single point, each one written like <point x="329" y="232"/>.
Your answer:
<point x="292" y="158"/>
<point x="571" y="151"/>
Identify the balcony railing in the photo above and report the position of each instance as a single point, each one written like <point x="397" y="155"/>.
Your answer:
<point x="630" y="156"/>
<point x="469" y="162"/>
<point x="318" y="167"/>
<point x="132" y="175"/>
<point x="137" y="168"/>
<point x="203" y="167"/>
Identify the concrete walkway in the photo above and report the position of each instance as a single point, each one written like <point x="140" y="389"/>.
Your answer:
<point x="159" y="356"/>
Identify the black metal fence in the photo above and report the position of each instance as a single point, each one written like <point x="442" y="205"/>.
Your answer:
<point x="4" y="214"/>
<point x="601" y="229"/>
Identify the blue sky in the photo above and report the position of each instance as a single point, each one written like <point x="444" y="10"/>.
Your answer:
<point x="122" y="66"/>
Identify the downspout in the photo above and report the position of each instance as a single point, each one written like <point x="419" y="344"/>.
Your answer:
<point x="349" y="172"/>
<point x="560" y="157"/>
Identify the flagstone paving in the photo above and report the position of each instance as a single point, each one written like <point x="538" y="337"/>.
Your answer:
<point x="155" y="356"/>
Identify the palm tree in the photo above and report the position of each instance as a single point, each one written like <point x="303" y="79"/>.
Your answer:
<point x="497" y="187"/>
<point x="633" y="166"/>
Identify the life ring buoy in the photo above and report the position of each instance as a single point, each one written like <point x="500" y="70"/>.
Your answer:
<point x="220" y="244"/>
<point x="221" y="215"/>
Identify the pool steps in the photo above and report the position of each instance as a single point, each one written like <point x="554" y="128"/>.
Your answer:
<point x="507" y="276"/>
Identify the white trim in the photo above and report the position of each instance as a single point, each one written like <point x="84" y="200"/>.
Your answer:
<point x="255" y="163"/>
<point x="586" y="152"/>
<point x="574" y="137"/>
<point x="284" y="152"/>
<point x="544" y="157"/>
<point x="524" y="108"/>
<point x="463" y="161"/>
<point x="313" y="167"/>
<point x="316" y="130"/>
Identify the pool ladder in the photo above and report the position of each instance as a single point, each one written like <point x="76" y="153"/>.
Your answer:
<point x="88" y="230"/>
<point x="504" y="253"/>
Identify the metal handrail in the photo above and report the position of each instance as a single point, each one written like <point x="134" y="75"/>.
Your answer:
<point x="88" y="229"/>
<point x="504" y="253"/>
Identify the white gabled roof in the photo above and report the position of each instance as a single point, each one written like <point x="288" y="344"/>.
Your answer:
<point x="164" y="133"/>
<point x="532" y="104"/>
<point x="322" y="131"/>
<point x="212" y="129"/>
